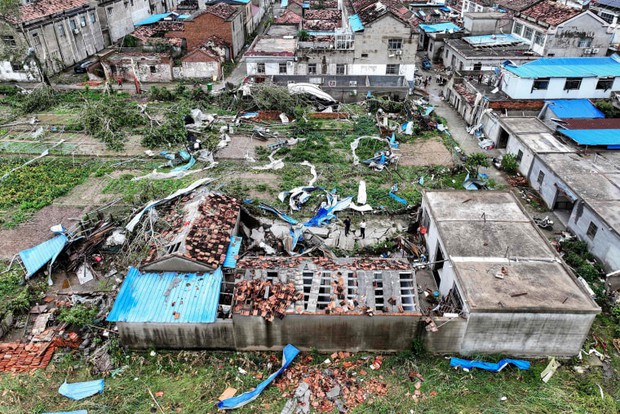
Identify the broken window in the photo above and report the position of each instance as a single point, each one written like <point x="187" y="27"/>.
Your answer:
<point x="341" y="69"/>
<point x="282" y="69"/>
<point x="307" y="278"/>
<point x="407" y="292"/>
<point x="605" y="83"/>
<point x="61" y="30"/>
<point x="539" y="38"/>
<point x="585" y="42"/>
<point x="540" y="84"/>
<point x="110" y="9"/>
<point x="260" y="68"/>
<point x="325" y="291"/>
<point x="395" y="44"/>
<point x="9" y="40"/>
<point x="477" y="66"/>
<point x="311" y="68"/>
<point x="517" y="29"/>
<point x="572" y="84"/>
<point x="377" y="285"/>
<point x="391" y="69"/>
<point x="528" y="32"/>
<point x="364" y="55"/>
<point x="153" y="69"/>
<point x="541" y="177"/>
<point x="519" y="156"/>
<point x="592" y="229"/>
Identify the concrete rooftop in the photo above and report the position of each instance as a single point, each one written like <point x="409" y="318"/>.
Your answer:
<point x="543" y="142"/>
<point x="522" y="125"/>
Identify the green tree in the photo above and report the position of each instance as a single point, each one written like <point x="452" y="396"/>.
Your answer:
<point x="510" y="164"/>
<point x="474" y="162"/>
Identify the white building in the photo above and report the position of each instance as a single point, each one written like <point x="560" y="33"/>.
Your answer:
<point x="562" y="78"/>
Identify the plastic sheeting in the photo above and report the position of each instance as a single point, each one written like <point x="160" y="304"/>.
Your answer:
<point x="288" y="355"/>
<point x="489" y="366"/>
<point x="361" y="193"/>
<point x="81" y="390"/>
<point x="278" y="213"/>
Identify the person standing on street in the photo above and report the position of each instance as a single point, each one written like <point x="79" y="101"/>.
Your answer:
<point x="363" y="228"/>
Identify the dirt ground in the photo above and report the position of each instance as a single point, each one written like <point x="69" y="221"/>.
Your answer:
<point x="87" y="194"/>
<point x="36" y="230"/>
<point x="239" y="146"/>
<point x="252" y="178"/>
<point x="425" y="153"/>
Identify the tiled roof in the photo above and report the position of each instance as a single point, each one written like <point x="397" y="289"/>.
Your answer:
<point x="152" y="33"/>
<point x="369" y="11"/>
<point x="550" y="12"/>
<point x="262" y="262"/>
<point x="222" y="10"/>
<point x="465" y="93"/>
<point x="516" y="5"/>
<point x="288" y="17"/>
<point x="328" y="15"/>
<point x="42" y="8"/>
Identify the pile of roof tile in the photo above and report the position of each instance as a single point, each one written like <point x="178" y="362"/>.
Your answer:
<point x="262" y="298"/>
<point x="262" y="262"/>
<point x="462" y="90"/>
<point x="208" y="239"/>
<point x="343" y="384"/>
<point x="24" y="357"/>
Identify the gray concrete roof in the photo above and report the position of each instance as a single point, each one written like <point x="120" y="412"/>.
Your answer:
<point x="543" y="142"/>
<point x="514" y="52"/>
<point x="545" y="286"/>
<point x="478" y="247"/>
<point x="523" y="124"/>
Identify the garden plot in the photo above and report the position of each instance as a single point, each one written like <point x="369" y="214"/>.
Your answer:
<point x="423" y="153"/>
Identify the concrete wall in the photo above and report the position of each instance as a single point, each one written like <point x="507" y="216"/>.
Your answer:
<point x="526" y="334"/>
<point x="547" y="189"/>
<point x="218" y="335"/>
<point x="15" y="54"/>
<point x="605" y="244"/>
<point x="451" y="57"/>
<point x="118" y="17"/>
<point x="198" y="70"/>
<point x="272" y="65"/>
<point x="513" y="147"/>
<point x="448" y="338"/>
<point x="521" y="88"/>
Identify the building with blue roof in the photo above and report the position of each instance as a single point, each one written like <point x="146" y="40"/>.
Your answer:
<point x="569" y="109"/>
<point x="432" y="37"/>
<point x="562" y="78"/>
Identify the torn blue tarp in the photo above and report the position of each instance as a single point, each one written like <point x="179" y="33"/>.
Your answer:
<point x="321" y="217"/>
<point x="297" y="234"/>
<point x="233" y="252"/>
<point x="288" y="354"/>
<point x="393" y="142"/>
<point x="80" y="390"/>
<point x="70" y="412"/>
<point x="489" y="366"/>
<point x="326" y="213"/>
<point x="473" y="185"/>
<point x="278" y="213"/>
<point x="36" y="257"/>
<point x="428" y="110"/>
<point x="185" y="167"/>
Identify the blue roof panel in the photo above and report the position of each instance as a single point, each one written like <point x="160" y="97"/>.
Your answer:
<point x="36" y="257"/>
<point x="356" y="23"/>
<point x="440" y="27"/>
<point x="574" y="108"/>
<point x="167" y="298"/>
<point x="568" y="67"/>
<point x="233" y="252"/>
<point x="284" y="4"/>
<point x="609" y="137"/>
<point x="153" y="19"/>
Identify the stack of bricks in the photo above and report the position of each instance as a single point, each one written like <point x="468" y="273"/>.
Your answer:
<point x="209" y="237"/>
<point x="262" y="298"/>
<point x="22" y="357"/>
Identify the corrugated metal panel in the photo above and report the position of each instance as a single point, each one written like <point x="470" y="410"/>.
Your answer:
<point x="568" y="67"/>
<point x="356" y="23"/>
<point x="233" y="252"/>
<point x="439" y="27"/>
<point x="593" y="136"/>
<point x="284" y="4"/>
<point x="167" y="298"/>
<point x="574" y="108"/>
<point x="36" y="257"/>
<point x="153" y="19"/>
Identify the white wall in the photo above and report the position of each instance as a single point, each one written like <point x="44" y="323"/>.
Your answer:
<point x="547" y="190"/>
<point x="513" y="146"/>
<point x="521" y="88"/>
<point x="8" y="74"/>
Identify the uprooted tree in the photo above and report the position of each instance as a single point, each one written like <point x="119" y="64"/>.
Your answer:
<point x="474" y="162"/>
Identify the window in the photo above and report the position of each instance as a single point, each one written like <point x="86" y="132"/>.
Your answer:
<point x="605" y="83"/>
<point x="9" y="40"/>
<point x="282" y="69"/>
<point x="478" y="66"/>
<point x="394" y="44"/>
<point x="585" y="42"/>
<point x="61" y="30"/>
<point x="540" y="84"/>
<point x="572" y="84"/>
<point x="311" y="68"/>
<point x="83" y="20"/>
<point x="609" y="18"/>
<point x="539" y="38"/>
<point x="260" y="68"/>
<point x="153" y="69"/>
<point x="364" y="55"/>
<point x="391" y="69"/>
<point x="15" y="66"/>
<point x="341" y="69"/>
<point x="93" y="17"/>
<point x="541" y="177"/>
<point x="519" y="156"/>
<point x="110" y="9"/>
<point x="517" y="29"/>
<point x="36" y="40"/>
<point x="72" y="24"/>
<point x="528" y="32"/>
<point x="592" y="229"/>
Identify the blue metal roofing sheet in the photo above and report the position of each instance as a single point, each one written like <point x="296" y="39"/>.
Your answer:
<point x="440" y="27"/>
<point x="568" y="67"/>
<point x="36" y="257"/>
<point x="153" y="19"/>
<point x="284" y="3"/>
<point x="609" y="137"/>
<point x="574" y="108"/>
<point x="233" y="252"/>
<point x="167" y="298"/>
<point x="356" y="23"/>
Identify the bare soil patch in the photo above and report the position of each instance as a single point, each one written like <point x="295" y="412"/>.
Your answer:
<point x="239" y="146"/>
<point x="425" y="153"/>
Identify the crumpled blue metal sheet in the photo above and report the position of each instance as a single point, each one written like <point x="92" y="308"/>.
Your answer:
<point x="278" y="213"/>
<point x="233" y="251"/>
<point x="80" y="390"/>
<point x="489" y="366"/>
<point x="288" y="354"/>
<point x="36" y="257"/>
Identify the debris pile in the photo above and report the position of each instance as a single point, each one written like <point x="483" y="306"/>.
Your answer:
<point x="262" y="298"/>
<point x="325" y="263"/>
<point x="24" y="357"/>
<point x="342" y="384"/>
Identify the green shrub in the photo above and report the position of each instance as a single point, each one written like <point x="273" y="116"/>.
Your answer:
<point x="510" y="164"/>
<point x="40" y="99"/>
<point x="78" y="316"/>
<point x="161" y="94"/>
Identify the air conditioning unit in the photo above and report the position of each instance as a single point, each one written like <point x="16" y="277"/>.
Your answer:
<point x="76" y="31"/>
<point x="399" y="52"/>
<point x="587" y="51"/>
<point x="83" y="23"/>
<point x="595" y="51"/>
<point x="331" y="83"/>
